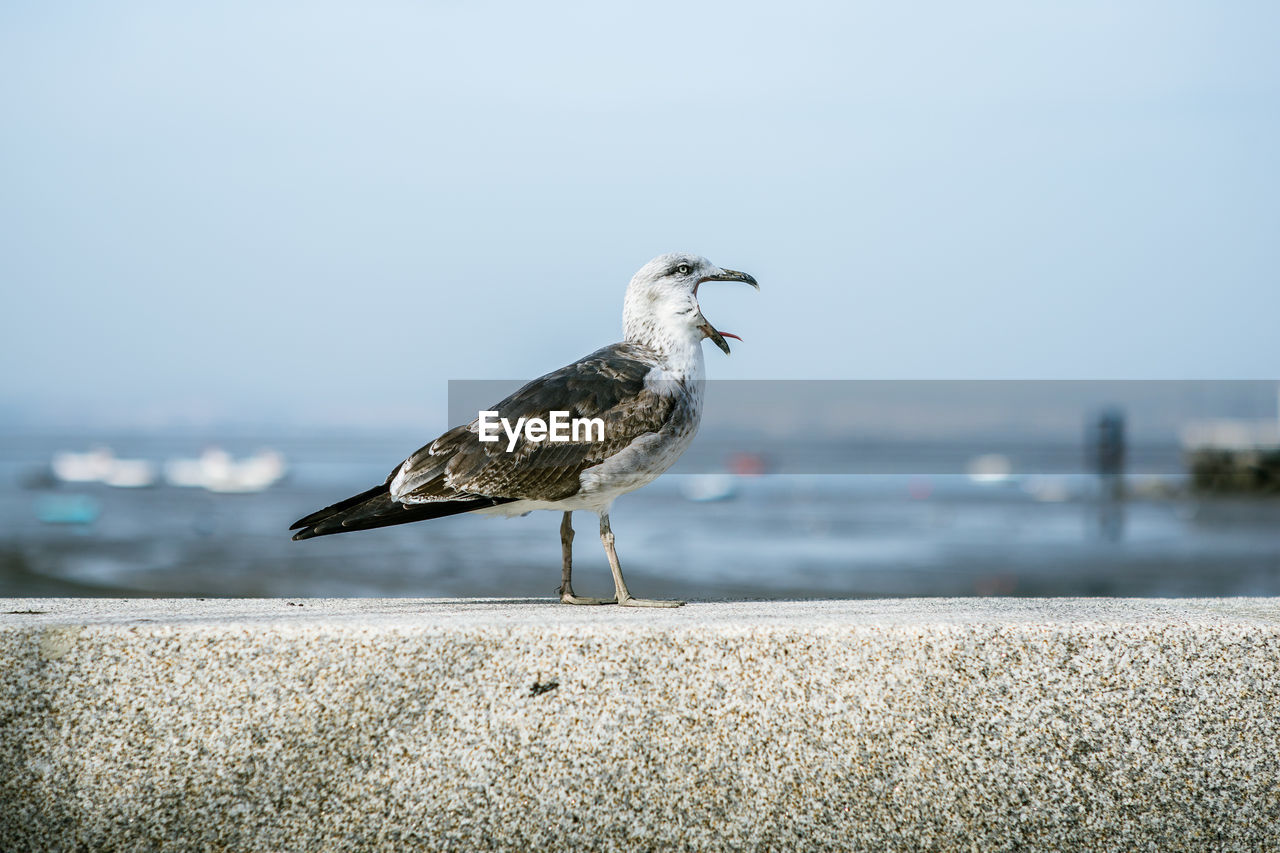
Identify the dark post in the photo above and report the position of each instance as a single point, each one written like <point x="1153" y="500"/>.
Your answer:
<point x="1107" y="451"/>
<point x="1105" y="443"/>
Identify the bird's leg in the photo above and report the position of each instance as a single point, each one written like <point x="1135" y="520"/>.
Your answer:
<point x="566" y="586"/>
<point x="624" y="597"/>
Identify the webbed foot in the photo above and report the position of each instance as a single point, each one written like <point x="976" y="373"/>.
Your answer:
<point x="649" y="602"/>
<point x="570" y="598"/>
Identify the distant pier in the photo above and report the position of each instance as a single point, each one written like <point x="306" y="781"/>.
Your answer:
<point x="1233" y="457"/>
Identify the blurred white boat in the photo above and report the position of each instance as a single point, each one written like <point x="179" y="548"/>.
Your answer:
<point x="89" y="467"/>
<point x="704" y="488"/>
<point x="989" y="469"/>
<point x="216" y="471"/>
<point x="1230" y="434"/>
<point x="1048" y="489"/>
<point x="100" y="465"/>
<point x="131" y="474"/>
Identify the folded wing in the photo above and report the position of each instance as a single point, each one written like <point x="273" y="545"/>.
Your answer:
<point x="610" y="384"/>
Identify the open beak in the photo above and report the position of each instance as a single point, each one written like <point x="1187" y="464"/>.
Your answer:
<point x="718" y="338"/>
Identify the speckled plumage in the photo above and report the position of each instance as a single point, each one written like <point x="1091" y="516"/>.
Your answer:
<point x="609" y="384"/>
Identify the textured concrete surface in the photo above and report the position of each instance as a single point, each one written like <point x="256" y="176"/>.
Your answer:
<point x="987" y="724"/>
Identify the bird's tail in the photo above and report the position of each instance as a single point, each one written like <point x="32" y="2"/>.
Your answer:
<point x="376" y="508"/>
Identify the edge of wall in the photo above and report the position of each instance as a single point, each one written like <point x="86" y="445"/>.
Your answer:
<point x="385" y="724"/>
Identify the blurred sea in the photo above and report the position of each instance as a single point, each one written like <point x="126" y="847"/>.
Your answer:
<point x="778" y="535"/>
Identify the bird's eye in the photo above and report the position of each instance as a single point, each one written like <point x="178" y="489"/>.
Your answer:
<point x="683" y="269"/>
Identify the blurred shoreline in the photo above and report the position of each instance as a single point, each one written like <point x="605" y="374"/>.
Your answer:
<point x="776" y="535"/>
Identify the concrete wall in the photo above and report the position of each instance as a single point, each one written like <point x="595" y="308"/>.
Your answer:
<point x="977" y="724"/>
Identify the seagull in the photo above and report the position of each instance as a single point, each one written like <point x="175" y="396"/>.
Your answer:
<point x="647" y="391"/>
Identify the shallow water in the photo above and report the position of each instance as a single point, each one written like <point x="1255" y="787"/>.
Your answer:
<point x="779" y="536"/>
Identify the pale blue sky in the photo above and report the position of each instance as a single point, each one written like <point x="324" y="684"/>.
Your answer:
<point x="320" y="213"/>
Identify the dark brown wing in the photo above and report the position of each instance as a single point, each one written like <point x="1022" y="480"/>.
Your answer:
<point x="608" y="384"/>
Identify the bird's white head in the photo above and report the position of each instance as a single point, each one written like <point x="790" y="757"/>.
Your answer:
<point x="661" y="307"/>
